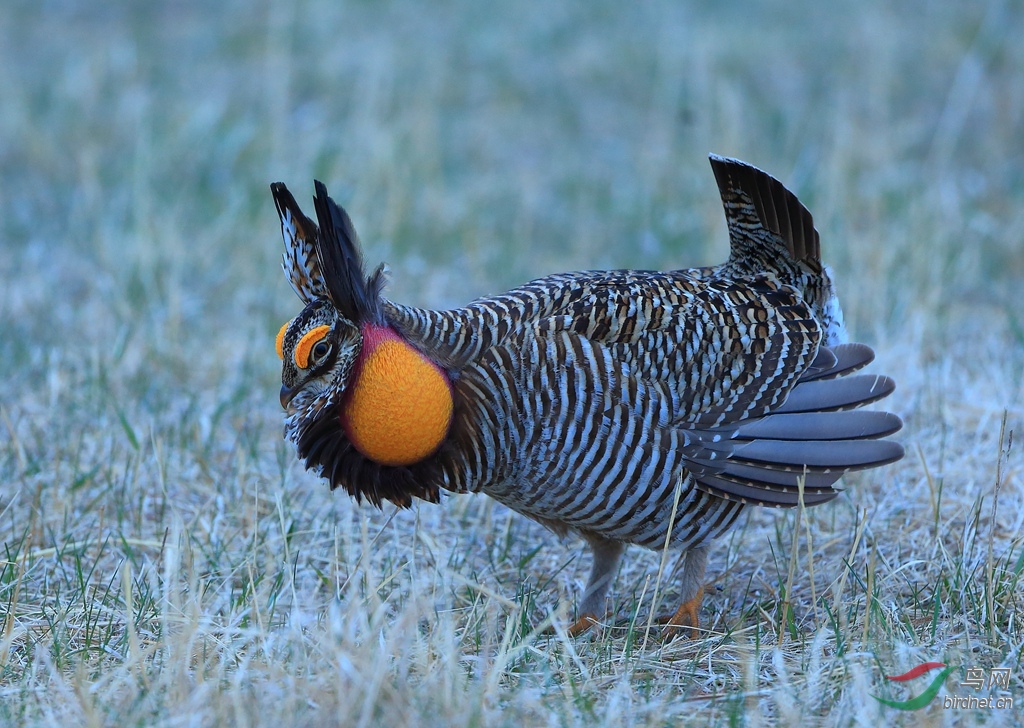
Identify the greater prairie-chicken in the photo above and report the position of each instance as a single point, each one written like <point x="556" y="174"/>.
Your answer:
<point x="616" y="404"/>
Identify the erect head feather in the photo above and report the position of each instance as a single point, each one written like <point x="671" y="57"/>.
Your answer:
<point x="300" y="239"/>
<point x="325" y="261"/>
<point x="356" y="296"/>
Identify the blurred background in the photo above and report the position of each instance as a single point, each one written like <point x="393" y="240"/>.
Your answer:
<point x="476" y="146"/>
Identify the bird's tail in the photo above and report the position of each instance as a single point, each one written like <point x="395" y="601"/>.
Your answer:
<point x="771" y="232"/>
<point x="764" y="217"/>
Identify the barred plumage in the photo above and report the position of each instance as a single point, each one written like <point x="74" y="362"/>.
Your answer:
<point x="591" y="401"/>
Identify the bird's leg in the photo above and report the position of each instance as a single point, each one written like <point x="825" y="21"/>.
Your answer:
<point x="692" y="591"/>
<point x="606" y="555"/>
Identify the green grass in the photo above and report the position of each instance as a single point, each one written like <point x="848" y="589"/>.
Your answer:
<point x="166" y="561"/>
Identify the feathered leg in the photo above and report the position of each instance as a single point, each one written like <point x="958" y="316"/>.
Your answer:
<point x="693" y="593"/>
<point x="606" y="555"/>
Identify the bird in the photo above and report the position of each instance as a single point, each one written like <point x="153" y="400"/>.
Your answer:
<point x="630" y="407"/>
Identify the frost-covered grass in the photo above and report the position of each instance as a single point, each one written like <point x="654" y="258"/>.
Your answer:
<point x="168" y="562"/>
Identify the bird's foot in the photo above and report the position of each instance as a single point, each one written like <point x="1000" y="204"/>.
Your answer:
<point x="582" y="625"/>
<point x="685" y="616"/>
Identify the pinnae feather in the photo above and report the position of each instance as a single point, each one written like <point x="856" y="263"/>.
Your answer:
<point x="341" y="261"/>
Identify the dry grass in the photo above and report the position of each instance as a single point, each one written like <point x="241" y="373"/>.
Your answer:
<point x="167" y="562"/>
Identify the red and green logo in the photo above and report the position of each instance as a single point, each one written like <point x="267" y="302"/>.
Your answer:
<point x="929" y="693"/>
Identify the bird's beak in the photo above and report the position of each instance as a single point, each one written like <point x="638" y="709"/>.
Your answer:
<point x="287" y="394"/>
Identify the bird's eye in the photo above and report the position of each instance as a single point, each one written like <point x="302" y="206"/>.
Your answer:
<point x="312" y="347"/>
<point x="321" y="350"/>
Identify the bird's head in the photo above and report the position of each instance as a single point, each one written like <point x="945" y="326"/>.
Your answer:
<point x="354" y="389"/>
<point x="318" y="350"/>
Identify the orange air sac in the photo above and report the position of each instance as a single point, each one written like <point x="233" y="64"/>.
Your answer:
<point x="399" y="404"/>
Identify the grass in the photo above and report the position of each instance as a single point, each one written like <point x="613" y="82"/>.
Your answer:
<point x="166" y="561"/>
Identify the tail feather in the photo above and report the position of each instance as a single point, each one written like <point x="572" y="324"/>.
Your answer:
<point x="771" y="233"/>
<point x="777" y="209"/>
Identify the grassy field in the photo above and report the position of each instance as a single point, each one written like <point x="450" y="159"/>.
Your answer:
<point x="167" y="561"/>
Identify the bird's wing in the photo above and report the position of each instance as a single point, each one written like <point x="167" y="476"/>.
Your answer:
<point x="723" y="350"/>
